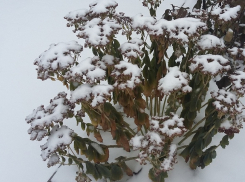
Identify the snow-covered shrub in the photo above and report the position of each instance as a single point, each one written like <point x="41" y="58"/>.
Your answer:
<point x="160" y="78"/>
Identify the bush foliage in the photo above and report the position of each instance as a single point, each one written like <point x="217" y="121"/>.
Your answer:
<point x="163" y="77"/>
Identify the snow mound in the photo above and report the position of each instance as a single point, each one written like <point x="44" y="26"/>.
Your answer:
<point x="57" y="58"/>
<point x="175" y="80"/>
<point x="209" y="64"/>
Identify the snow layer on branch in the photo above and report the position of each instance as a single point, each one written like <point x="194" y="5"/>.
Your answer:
<point x="209" y="64"/>
<point x="95" y="95"/>
<point x="174" y="80"/>
<point x="237" y="53"/>
<point x="141" y="22"/>
<point x="168" y="162"/>
<point x="227" y="102"/>
<point x="41" y="117"/>
<point x="227" y="13"/>
<point x="37" y="134"/>
<point x="208" y="42"/>
<point x="238" y="82"/>
<point x="180" y="30"/>
<point x="126" y="75"/>
<point x="152" y="142"/>
<point x="102" y="6"/>
<point x="131" y="49"/>
<point x="109" y="60"/>
<point x="54" y="159"/>
<point x="57" y="58"/>
<point x="91" y="68"/>
<point x="97" y="31"/>
<point x="98" y="148"/>
<point x="233" y="125"/>
<point x="59" y="138"/>
<point x="170" y="125"/>
<point x="76" y="16"/>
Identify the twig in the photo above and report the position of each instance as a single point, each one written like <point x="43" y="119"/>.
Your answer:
<point x="49" y="180"/>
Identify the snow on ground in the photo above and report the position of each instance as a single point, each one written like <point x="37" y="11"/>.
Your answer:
<point x="28" y="27"/>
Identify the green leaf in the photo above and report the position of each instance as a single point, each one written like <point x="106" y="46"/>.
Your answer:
<point x="82" y="145"/>
<point x="94" y="51"/>
<point x="63" y="159"/>
<point x="116" y="172"/>
<point x="103" y="170"/>
<point x="199" y="147"/>
<point x="224" y="141"/>
<point x="157" y="178"/>
<point x="91" y="169"/>
<point x="231" y="136"/>
<point x="83" y="126"/>
<point x="76" y="146"/>
<point x="207" y="159"/>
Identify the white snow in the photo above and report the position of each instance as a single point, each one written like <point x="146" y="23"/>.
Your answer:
<point x="210" y="64"/>
<point x="44" y="117"/>
<point x="90" y="69"/>
<point x="53" y="159"/>
<point x="102" y="6"/>
<point x="208" y="42"/>
<point x="98" y="148"/>
<point x="179" y="30"/>
<point x="174" y="80"/>
<point x="227" y="13"/>
<point x="59" y="138"/>
<point x="126" y="71"/>
<point x="132" y="48"/>
<point x="93" y="94"/>
<point x="96" y="31"/>
<point x="57" y="57"/>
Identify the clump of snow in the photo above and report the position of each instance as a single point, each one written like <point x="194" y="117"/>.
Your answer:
<point x="102" y="7"/>
<point x="97" y="32"/>
<point x="238" y="82"/>
<point x="169" y="126"/>
<point x="180" y="30"/>
<point x="227" y="13"/>
<point x="95" y="95"/>
<point x="37" y="134"/>
<point x="77" y="16"/>
<point x="174" y="80"/>
<point x="127" y="75"/>
<point x="169" y="161"/>
<point x="232" y="125"/>
<point x="209" y="64"/>
<point x="152" y="143"/>
<point x="59" y="138"/>
<point x="109" y="60"/>
<point x="227" y="102"/>
<point x="57" y="58"/>
<point x="41" y="117"/>
<point x="89" y="70"/>
<point x="141" y="22"/>
<point x="131" y="49"/>
<point x="53" y="159"/>
<point x="237" y="53"/>
<point x="208" y="42"/>
<point x="98" y="148"/>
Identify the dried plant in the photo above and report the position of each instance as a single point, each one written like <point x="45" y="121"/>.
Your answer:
<point x="161" y="97"/>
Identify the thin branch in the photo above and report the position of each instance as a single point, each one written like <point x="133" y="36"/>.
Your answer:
<point x="50" y="179"/>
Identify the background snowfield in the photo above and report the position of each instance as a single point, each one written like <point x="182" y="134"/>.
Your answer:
<point x="27" y="28"/>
